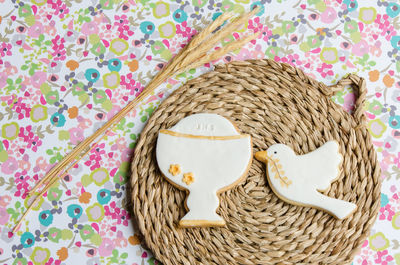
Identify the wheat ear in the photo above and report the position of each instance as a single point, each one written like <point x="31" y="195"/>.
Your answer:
<point x="192" y="55"/>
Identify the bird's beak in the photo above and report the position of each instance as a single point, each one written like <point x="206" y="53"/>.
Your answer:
<point x="262" y="156"/>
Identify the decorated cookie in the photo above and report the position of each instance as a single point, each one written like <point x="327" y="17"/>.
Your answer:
<point x="300" y="179"/>
<point x="204" y="154"/>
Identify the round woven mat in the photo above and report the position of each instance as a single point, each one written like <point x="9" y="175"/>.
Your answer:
<point x="274" y="103"/>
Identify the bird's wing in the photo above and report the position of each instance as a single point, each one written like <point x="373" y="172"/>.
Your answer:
<point x="322" y="165"/>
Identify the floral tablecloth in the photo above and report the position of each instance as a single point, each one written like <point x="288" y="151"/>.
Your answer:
<point x="68" y="66"/>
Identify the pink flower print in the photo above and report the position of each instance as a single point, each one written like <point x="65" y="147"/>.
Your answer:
<point x="21" y="109"/>
<point x="329" y="15"/>
<point x="126" y="154"/>
<point x="396" y="160"/>
<point x="120" y="241"/>
<point x="21" y="181"/>
<point x="50" y="28"/>
<point x="21" y="29"/>
<point x="135" y="87"/>
<point x="385" y="162"/>
<point x="106" y="247"/>
<point x="24" y="163"/>
<point x="227" y="59"/>
<point x="121" y="215"/>
<point x="383" y="257"/>
<point x="345" y="45"/>
<point x="375" y="50"/>
<point x="385" y="26"/>
<point x="292" y="59"/>
<point x="386" y="213"/>
<point x="4" y="216"/>
<point x="89" y="28"/>
<point x="59" y="52"/>
<point x="256" y="26"/>
<point x="38" y="79"/>
<point x="10" y="69"/>
<point x="293" y="38"/>
<point x="243" y="54"/>
<point x="113" y="111"/>
<point x="3" y="79"/>
<point x="41" y="164"/>
<point x="390" y="33"/>
<point x="313" y="17"/>
<point x="60" y="8"/>
<point x="35" y="30"/>
<point x="11" y="99"/>
<point x="325" y="70"/>
<point x="395" y="200"/>
<point x="366" y="256"/>
<point x="33" y="141"/>
<point x="349" y="102"/>
<point x="382" y="21"/>
<point x="76" y="135"/>
<point x="84" y="123"/>
<point x="5" y="200"/>
<point x="257" y="52"/>
<point x="360" y="48"/>
<point x="95" y="156"/>
<point x="185" y="31"/>
<point x="5" y="49"/>
<point x="10" y="166"/>
<point x="122" y="23"/>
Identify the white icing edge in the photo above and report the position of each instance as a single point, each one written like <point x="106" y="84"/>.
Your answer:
<point x="205" y="124"/>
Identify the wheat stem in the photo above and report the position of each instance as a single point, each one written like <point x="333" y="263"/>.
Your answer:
<point x="35" y="201"/>
<point x="220" y="52"/>
<point x="192" y="55"/>
<point x="205" y="33"/>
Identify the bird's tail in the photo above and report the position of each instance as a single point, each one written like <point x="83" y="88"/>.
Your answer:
<point x="340" y="209"/>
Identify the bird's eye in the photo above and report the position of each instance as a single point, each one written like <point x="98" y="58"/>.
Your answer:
<point x="275" y="152"/>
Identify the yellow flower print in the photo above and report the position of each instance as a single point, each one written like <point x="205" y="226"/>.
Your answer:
<point x="175" y="169"/>
<point x="188" y="178"/>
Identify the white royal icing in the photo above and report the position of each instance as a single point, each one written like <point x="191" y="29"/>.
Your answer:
<point x="298" y="179"/>
<point x="206" y="124"/>
<point x="199" y="145"/>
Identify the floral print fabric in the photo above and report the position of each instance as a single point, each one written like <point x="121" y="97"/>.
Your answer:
<point x="68" y="66"/>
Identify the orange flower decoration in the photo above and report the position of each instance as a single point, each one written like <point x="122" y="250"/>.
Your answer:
<point x="188" y="178"/>
<point x="134" y="240"/>
<point x="175" y="169"/>
<point x="72" y="65"/>
<point x="373" y="75"/>
<point x="73" y="112"/>
<point x="62" y="253"/>
<point x="320" y="31"/>
<point x="133" y="65"/>
<point x="85" y="197"/>
<point x="388" y="81"/>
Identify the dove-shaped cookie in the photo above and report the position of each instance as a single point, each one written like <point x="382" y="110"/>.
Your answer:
<point x="299" y="179"/>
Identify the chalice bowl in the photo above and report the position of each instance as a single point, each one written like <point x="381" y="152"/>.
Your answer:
<point x="204" y="154"/>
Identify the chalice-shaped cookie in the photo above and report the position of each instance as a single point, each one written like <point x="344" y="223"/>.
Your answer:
<point x="204" y="154"/>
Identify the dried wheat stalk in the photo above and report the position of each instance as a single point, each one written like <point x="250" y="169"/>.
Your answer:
<point x="195" y="54"/>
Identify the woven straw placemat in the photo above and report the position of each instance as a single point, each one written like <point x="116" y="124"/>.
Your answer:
<point x="274" y="103"/>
